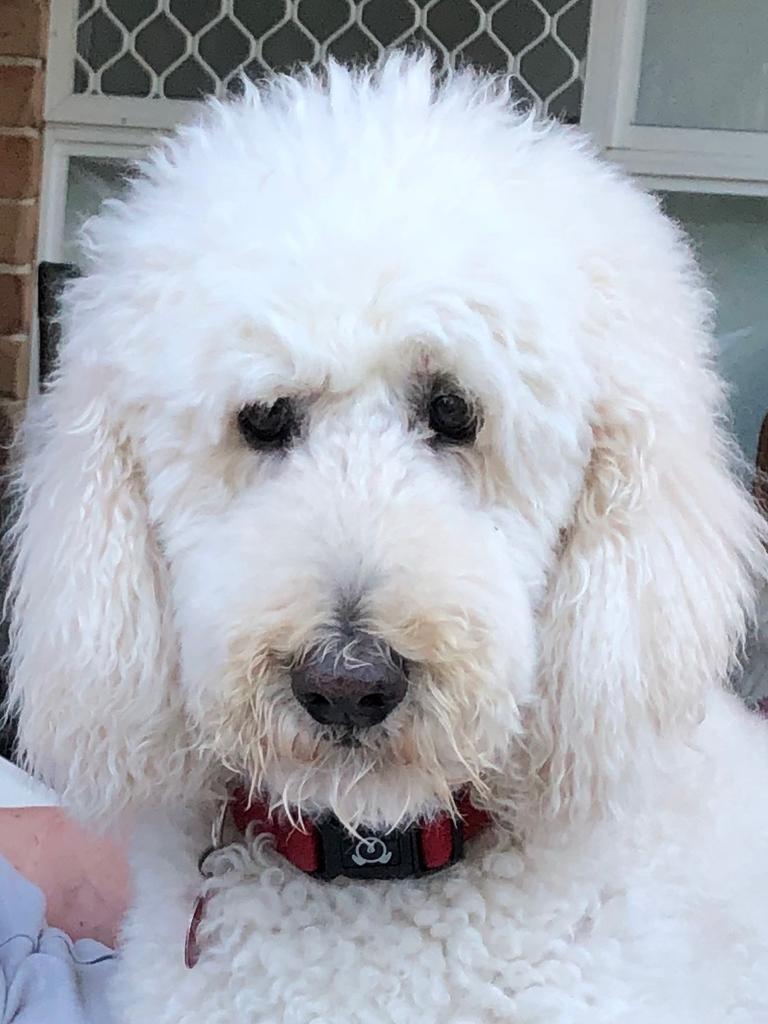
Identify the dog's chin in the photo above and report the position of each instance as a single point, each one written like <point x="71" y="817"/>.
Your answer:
<point x="362" y="778"/>
<point x="384" y="798"/>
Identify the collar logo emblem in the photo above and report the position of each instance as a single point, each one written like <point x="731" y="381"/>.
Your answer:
<point x="371" y="850"/>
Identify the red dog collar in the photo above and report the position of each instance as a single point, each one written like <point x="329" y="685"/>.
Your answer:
<point x="324" y="849"/>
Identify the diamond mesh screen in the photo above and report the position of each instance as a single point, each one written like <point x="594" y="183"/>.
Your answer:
<point x="184" y="49"/>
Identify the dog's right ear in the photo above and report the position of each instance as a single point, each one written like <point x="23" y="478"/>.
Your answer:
<point x="653" y="591"/>
<point x="93" y="658"/>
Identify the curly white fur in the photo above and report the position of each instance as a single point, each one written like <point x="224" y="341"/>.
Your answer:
<point x="572" y="590"/>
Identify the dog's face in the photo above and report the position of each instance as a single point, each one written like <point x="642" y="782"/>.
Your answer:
<point x="359" y="525"/>
<point x="355" y="612"/>
<point x="334" y="525"/>
<point x="383" y="461"/>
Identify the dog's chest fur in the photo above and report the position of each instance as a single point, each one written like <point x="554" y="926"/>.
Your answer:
<point x="524" y="936"/>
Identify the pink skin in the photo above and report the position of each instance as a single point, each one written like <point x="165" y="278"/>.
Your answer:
<point x="84" y="878"/>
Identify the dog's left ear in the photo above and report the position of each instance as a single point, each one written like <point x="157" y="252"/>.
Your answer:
<point x="93" y="651"/>
<point x="654" y="587"/>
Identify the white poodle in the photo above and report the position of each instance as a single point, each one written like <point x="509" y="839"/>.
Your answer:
<point x="384" y="475"/>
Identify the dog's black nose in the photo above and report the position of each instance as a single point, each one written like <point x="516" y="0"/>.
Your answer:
<point x="355" y="685"/>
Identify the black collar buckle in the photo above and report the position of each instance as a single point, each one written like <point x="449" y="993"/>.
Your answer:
<point x="378" y="855"/>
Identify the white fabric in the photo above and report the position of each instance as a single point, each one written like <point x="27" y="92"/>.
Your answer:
<point x="19" y="789"/>
<point x="45" y="977"/>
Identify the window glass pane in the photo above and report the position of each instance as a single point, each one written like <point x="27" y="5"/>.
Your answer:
<point x="90" y="180"/>
<point x="705" y="65"/>
<point x="731" y="236"/>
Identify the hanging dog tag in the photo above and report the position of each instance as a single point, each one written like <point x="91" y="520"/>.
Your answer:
<point x="191" y="944"/>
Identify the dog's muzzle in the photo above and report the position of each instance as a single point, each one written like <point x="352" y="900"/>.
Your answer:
<point x="353" y="685"/>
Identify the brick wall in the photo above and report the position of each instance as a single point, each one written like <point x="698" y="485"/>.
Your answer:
<point x="23" y="38"/>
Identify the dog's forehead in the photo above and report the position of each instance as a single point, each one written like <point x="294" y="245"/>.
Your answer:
<point x="345" y="300"/>
<point x="313" y="241"/>
<point x="342" y="349"/>
<point x="351" y="299"/>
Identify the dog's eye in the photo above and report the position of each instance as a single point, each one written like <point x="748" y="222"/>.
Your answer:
<point x="268" y="426"/>
<point x="452" y="418"/>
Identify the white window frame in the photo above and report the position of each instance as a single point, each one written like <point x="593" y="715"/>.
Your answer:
<point x="688" y="159"/>
<point x="62" y="142"/>
<point x="64" y="106"/>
